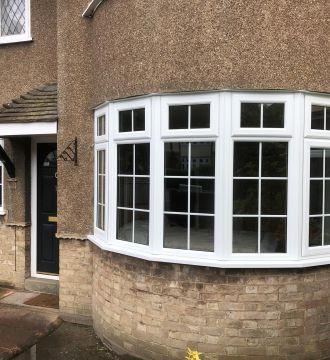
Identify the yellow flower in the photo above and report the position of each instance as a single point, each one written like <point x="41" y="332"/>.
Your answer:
<point x="193" y="355"/>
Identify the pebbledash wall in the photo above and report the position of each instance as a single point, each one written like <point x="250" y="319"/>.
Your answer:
<point x="155" y="310"/>
<point x="24" y="66"/>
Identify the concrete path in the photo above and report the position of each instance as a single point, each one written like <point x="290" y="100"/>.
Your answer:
<point x="21" y="327"/>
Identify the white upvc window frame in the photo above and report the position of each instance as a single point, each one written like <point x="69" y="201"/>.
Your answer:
<point x="288" y="134"/>
<point x="196" y="99"/>
<point x="223" y="133"/>
<point x="311" y="250"/>
<point x="131" y="105"/>
<point x="262" y="98"/>
<point x="101" y="143"/>
<point x="313" y="139"/>
<point x="8" y="39"/>
<point x="117" y="138"/>
<point x="2" y="182"/>
<point x="311" y="100"/>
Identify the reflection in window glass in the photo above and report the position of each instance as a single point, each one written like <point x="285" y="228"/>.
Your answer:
<point x="12" y="17"/>
<point x="257" y="115"/>
<point x="101" y="171"/>
<point x="133" y="184"/>
<point x="260" y="197"/>
<point x="189" y="116"/>
<point x="319" y="197"/>
<point x="318" y="119"/>
<point x="132" y="120"/>
<point x="189" y="196"/>
<point x="101" y="125"/>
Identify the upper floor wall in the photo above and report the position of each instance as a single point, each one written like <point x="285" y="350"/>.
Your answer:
<point x="25" y="65"/>
<point x="141" y="46"/>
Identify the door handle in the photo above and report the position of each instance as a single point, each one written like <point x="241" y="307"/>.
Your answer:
<point x="52" y="219"/>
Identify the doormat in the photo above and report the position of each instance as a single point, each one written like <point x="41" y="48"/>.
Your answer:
<point x="44" y="300"/>
<point x="5" y="292"/>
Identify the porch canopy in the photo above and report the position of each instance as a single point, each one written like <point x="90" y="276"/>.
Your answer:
<point x="34" y="113"/>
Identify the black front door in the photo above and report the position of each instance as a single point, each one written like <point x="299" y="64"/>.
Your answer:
<point x="47" y="243"/>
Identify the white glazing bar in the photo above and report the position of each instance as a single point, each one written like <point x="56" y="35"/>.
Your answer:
<point x="259" y="197"/>
<point x="323" y="196"/>
<point x="189" y="173"/>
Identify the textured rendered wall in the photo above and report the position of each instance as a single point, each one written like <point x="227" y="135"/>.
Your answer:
<point x="144" y="46"/>
<point x="27" y="65"/>
<point x="137" y="47"/>
<point x="156" y="310"/>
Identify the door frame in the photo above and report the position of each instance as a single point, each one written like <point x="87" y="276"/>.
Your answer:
<point x="34" y="141"/>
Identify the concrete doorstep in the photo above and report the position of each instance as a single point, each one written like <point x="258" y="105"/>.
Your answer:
<point x="21" y="328"/>
<point x="21" y="325"/>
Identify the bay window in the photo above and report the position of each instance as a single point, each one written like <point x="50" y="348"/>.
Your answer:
<point x="228" y="179"/>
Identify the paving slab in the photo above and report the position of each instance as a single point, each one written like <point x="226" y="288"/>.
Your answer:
<point x="21" y="328"/>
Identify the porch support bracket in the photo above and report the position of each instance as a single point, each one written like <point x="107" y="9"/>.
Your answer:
<point x="7" y="163"/>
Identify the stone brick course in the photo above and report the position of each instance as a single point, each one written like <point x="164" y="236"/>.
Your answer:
<point x="14" y="254"/>
<point x="156" y="310"/>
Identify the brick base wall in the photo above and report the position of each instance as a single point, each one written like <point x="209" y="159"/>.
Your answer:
<point x="14" y="254"/>
<point x="157" y="310"/>
<point x="76" y="267"/>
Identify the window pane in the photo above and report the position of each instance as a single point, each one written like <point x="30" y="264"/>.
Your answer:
<point x="141" y="227"/>
<point x="274" y="159"/>
<point x="176" y="159"/>
<point x="202" y="233"/>
<point x="139" y="119"/>
<point x="202" y="196"/>
<point x="125" y="192"/>
<point x="273" y="116"/>
<point x="246" y="159"/>
<point x="245" y="196"/>
<point x="273" y="197"/>
<point x="142" y="159"/>
<point x="176" y="195"/>
<point x="315" y="231"/>
<point x="273" y="235"/>
<point x="178" y="117"/>
<point x="125" y="121"/>
<point x="328" y="118"/>
<point x="141" y="193"/>
<point x="125" y="159"/>
<point x="101" y="162"/>
<point x="317" y="117"/>
<point x="101" y="125"/>
<point x="124" y="225"/>
<point x="100" y="217"/>
<point x="327" y="197"/>
<point x="315" y="197"/>
<point x="175" y="231"/>
<point x="250" y="115"/>
<point x="316" y="163"/>
<point x="327" y="163"/>
<point x="327" y="230"/>
<point x="202" y="158"/>
<point x="245" y="235"/>
<point x="200" y="116"/>
<point x="12" y="17"/>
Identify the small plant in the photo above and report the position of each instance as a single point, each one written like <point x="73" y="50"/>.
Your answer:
<point x="193" y="355"/>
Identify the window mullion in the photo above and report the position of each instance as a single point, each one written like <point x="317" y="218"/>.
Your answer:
<point x="189" y="182"/>
<point x="323" y="196"/>
<point x="259" y="197"/>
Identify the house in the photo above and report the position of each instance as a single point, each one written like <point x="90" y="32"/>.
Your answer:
<point x="167" y="164"/>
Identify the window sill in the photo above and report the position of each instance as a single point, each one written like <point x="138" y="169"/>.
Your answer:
<point x="10" y="40"/>
<point x="234" y="264"/>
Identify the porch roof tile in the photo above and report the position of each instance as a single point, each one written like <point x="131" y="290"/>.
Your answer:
<point x="38" y="105"/>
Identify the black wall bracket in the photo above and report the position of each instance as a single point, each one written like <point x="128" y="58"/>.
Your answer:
<point x="7" y="163"/>
<point x="70" y="153"/>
